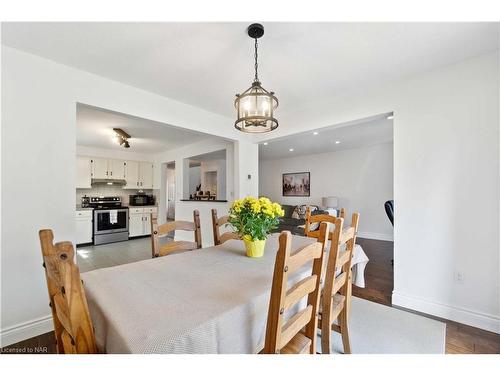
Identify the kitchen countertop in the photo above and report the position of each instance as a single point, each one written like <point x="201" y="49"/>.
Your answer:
<point x="204" y="200"/>
<point x="80" y="208"/>
<point x="149" y="205"/>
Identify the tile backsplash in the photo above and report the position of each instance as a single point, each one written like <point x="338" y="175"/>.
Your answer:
<point x="110" y="191"/>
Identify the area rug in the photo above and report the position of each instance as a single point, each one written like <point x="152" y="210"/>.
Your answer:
<point x="379" y="329"/>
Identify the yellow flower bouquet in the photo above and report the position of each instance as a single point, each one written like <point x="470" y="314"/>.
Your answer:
<point x="254" y="219"/>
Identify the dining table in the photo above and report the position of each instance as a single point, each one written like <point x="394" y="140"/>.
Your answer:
<point x="210" y="300"/>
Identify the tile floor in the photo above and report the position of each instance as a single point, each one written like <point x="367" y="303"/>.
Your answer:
<point x="93" y="257"/>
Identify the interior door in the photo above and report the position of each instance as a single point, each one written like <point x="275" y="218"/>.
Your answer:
<point x="170" y="194"/>
<point x="99" y="168"/>
<point x="132" y="174"/>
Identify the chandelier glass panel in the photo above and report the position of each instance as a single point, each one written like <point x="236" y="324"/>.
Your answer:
<point x="255" y="106"/>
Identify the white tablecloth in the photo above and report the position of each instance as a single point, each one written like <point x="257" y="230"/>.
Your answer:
<point x="212" y="300"/>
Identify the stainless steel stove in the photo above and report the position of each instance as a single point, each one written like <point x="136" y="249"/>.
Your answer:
<point x="110" y="220"/>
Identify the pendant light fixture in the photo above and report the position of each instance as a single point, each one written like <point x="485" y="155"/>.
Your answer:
<point x="255" y="106"/>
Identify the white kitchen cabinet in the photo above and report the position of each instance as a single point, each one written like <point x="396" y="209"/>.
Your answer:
<point x="132" y="174"/>
<point x="136" y="225"/>
<point x="99" y="168"/>
<point x="116" y="169"/>
<point x="139" y="175"/>
<point x="108" y="168"/>
<point x="147" y="224"/>
<point x="140" y="220"/>
<point x="146" y="175"/>
<point x="83" y="226"/>
<point x="83" y="172"/>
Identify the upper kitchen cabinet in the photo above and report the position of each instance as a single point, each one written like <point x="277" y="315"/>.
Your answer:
<point x="132" y="174"/>
<point x="83" y="172"/>
<point x="139" y="175"/>
<point x="108" y="168"/>
<point x="146" y="175"/>
<point x="99" y="168"/>
<point x="116" y="168"/>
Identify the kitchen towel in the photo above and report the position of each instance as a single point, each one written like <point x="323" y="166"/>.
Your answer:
<point x="113" y="216"/>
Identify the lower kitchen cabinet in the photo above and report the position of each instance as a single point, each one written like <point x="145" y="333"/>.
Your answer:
<point x="140" y="221"/>
<point x="83" y="226"/>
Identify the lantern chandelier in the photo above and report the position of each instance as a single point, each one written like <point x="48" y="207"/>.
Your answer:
<point x="255" y="106"/>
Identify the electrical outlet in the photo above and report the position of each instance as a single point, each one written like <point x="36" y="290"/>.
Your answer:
<point x="459" y="277"/>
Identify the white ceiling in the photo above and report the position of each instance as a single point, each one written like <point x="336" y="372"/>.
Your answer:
<point x="364" y="132"/>
<point x="206" y="64"/>
<point x="94" y="127"/>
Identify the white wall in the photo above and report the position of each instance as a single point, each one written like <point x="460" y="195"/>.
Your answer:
<point x="246" y="162"/>
<point x="38" y="168"/>
<point x="361" y="178"/>
<point x="446" y="184"/>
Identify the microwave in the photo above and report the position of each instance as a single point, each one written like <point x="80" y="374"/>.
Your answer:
<point x="142" y="200"/>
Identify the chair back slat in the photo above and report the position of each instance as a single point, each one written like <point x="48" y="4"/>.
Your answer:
<point x="301" y="327"/>
<point x="299" y="290"/>
<point x="337" y="289"/>
<point x="294" y="325"/>
<point x="175" y="225"/>
<point x="72" y="323"/>
<point x="303" y="256"/>
<point x="162" y="230"/>
<point x="346" y="235"/>
<point x="321" y="218"/>
<point x="217" y="222"/>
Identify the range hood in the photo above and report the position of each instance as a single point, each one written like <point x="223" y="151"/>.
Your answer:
<point x="108" y="181"/>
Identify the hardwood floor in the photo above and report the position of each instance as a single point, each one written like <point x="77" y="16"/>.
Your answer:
<point x="460" y="338"/>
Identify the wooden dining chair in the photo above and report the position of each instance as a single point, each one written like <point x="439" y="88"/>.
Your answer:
<point x="163" y="230"/>
<point x="337" y="290"/>
<point x="298" y="334"/>
<point x="70" y="313"/>
<point x="217" y="222"/>
<point x="310" y="219"/>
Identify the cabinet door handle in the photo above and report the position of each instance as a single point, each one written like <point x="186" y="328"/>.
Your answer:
<point x="111" y="173"/>
<point x="106" y="173"/>
<point x="137" y="183"/>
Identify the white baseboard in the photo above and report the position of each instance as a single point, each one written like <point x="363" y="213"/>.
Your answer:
<point x="26" y="330"/>
<point x="472" y="318"/>
<point x="376" y="236"/>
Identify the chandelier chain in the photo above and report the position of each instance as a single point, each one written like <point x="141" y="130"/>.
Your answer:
<point x="256" y="55"/>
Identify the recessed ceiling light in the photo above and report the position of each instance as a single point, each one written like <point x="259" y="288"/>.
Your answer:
<point x="315" y="133"/>
<point x="337" y="142"/>
<point x="390" y="117"/>
<point x="290" y="149"/>
<point x="265" y="143"/>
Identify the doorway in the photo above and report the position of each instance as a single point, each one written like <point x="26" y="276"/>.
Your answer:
<point x="170" y="191"/>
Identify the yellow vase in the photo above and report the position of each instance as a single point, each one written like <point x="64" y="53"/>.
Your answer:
<point x="255" y="249"/>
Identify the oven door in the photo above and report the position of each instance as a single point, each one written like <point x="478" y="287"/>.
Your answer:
<point x="110" y="221"/>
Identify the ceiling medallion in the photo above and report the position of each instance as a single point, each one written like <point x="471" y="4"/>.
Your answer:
<point x="255" y="106"/>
